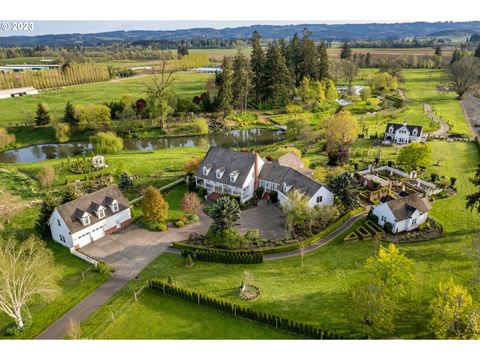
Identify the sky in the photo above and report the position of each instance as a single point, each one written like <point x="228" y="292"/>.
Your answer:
<point x="67" y="27"/>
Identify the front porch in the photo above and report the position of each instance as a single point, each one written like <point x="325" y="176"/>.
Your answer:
<point x="215" y="187"/>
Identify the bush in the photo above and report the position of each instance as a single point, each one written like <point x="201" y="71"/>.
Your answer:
<point x="152" y="225"/>
<point x="388" y="227"/>
<point x="273" y="196"/>
<point x="224" y="256"/>
<point x="372" y="217"/>
<point x="179" y="224"/>
<point x="259" y="192"/>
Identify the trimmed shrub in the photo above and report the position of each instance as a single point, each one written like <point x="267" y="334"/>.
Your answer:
<point x="388" y="227"/>
<point x="224" y="256"/>
<point x="363" y="233"/>
<point x="179" y="224"/>
<point x="352" y="237"/>
<point x="273" y="196"/>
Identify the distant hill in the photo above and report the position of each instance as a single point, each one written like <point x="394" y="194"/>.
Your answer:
<point x="326" y="32"/>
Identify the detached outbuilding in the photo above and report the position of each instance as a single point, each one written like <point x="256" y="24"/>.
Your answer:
<point x="89" y="218"/>
<point x="405" y="213"/>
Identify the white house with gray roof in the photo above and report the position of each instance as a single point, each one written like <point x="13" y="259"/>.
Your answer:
<point x="402" y="134"/>
<point x="89" y="218"/>
<point x="405" y="213"/>
<point x="241" y="173"/>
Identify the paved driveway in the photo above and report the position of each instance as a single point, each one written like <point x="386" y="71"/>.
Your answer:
<point x="269" y="219"/>
<point x="131" y="249"/>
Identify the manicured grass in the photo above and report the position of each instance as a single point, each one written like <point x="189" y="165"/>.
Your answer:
<point x="73" y="286"/>
<point x="421" y="86"/>
<point x="155" y="316"/>
<point x="174" y="197"/>
<point x="318" y="292"/>
<point x="14" y="111"/>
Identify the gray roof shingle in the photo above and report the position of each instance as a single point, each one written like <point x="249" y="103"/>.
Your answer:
<point x="228" y="161"/>
<point x="71" y="211"/>
<point x="403" y="208"/>
<point x="410" y="128"/>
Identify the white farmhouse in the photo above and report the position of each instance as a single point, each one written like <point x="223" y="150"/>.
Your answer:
<point x="405" y="213"/>
<point x="241" y="173"/>
<point x="401" y="134"/>
<point x="89" y="218"/>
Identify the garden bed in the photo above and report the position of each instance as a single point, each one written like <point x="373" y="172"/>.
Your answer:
<point x="428" y="231"/>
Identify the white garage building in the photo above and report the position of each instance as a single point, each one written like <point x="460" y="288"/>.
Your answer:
<point x="82" y="221"/>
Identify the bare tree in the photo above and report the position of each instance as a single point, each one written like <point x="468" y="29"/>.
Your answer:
<point x="157" y="89"/>
<point x="464" y="75"/>
<point x="27" y="270"/>
<point x="349" y="71"/>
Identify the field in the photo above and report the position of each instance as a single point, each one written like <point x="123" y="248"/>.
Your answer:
<point x="17" y="110"/>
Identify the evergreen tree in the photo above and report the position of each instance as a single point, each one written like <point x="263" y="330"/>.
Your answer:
<point x="457" y="55"/>
<point x="309" y="57"/>
<point x="322" y="71"/>
<point x="124" y="180"/>
<point x="345" y="189"/>
<point x="46" y="210"/>
<point x="346" y="52"/>
<point x="438" y="51"/>
<point x="69" y="194"/>
<point x="42" y="116"/>
<point x="241" y="81"/>
<point x="294" y="58"/>
<point x="225" y="213"/>
<point x="368" y="60"/>
<point x="278" y="78"/>
<point x="257" y="64"/>
<point x="477" y="52"/>
<point x="69" y="116"/>
<point x="224" y="98"/>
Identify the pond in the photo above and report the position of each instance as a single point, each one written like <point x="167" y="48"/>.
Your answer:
<point x="227" y="139"/>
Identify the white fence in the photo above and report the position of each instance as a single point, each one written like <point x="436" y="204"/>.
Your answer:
<point x="84" y="257"/>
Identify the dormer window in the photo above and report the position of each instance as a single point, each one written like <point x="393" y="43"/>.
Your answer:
<point x="414" y="132"/>
<point x="206" y="169"/>
<point x="100" y="213"/>
<point x="234" y="175"/>
<point x="112" y="203"/>
<point x="219" y="172"/>
<point x="391" y="129"/>
<point x="284" y="187"/>
<point x="85" y="219"/>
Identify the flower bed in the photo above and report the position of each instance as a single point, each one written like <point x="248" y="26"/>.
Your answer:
<point x="428" y="231"/>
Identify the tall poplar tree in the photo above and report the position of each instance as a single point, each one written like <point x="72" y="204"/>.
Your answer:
<point x="257" y="65"/>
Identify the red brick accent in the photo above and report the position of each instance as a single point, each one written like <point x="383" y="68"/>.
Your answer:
<point x="125" y="223"/>
<point x="111" y="230"/>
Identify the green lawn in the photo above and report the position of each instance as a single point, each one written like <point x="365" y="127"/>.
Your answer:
<point x="15" y="110"/>
<point x="318" y="292"/>
<point x="421" y="86"/>
<point x="174" y="197"/>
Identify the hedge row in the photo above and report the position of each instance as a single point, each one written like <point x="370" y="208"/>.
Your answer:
<point x="302" y="329"/>
<point x="226" y="257"/>
<point x="289" y="247"/>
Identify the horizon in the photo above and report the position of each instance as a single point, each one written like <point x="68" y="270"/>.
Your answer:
<point x="48" y="27"/>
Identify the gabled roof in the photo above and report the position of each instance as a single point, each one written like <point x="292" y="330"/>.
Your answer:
<point x="228" y="161"/>
<point x="278" y="174"/>
<point x="291" y="160"/>
<point x="410" y="128"/>
<point x="71" y="211"/>
<point x="403" y="208"/>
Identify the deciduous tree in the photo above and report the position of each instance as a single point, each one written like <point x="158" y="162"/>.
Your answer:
<point x="106" y="142"/>
<point x="415" y="155"/>
<point x="46" y="175"/>
<point x="27" y="271"/>
<point x="455" y="314"/>
<point x="154" y="206"/>
<point x="341" y="132"/>
<point x="464" y="75"/>
<point x="191" y="203"/>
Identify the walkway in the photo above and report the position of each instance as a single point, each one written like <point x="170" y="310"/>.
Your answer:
<point x="341" y="229"/>
<point x="444" y="127"/>
<point x="129" y="251"/>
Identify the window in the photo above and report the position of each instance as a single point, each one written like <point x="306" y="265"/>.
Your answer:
<point x="414" y="221"/>
<point x="319" y="199"/>
<point x="62" y="238"/>
<point x="115" y="207"/>
<point x="391" y="129"/>
<point x="219" y="173"/>
<point x="414" y="132"/>
<point x="101" y="213"/>
<point x="86" y="220"/>
<point x="383" y="218"/>
<point x="58" y="222"/>
<point x="284" y="187"/>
